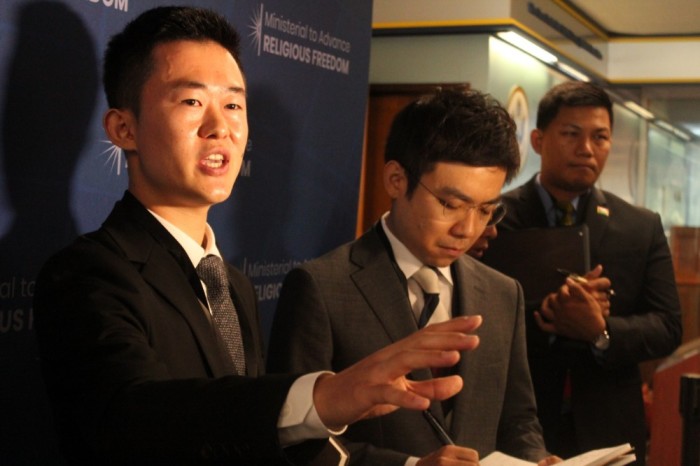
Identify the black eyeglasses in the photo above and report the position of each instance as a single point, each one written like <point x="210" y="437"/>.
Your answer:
<point x="456" y="210"/>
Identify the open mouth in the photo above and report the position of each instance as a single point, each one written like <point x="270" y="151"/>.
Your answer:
<point x="214" y="161"/>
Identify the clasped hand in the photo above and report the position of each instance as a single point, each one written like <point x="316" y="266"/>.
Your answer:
<point x="577" y="310"/>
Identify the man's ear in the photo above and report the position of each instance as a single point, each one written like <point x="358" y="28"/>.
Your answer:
<point x="120" y="126"/>
<point x="536" y="139"/>
<point x="395" y="181"/>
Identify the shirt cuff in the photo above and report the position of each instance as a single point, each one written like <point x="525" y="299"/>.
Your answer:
<point x="299" y="420"/>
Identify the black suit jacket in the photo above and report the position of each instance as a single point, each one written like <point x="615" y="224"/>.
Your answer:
<point x="645" y="323"/>
<point x="132" y="366"/>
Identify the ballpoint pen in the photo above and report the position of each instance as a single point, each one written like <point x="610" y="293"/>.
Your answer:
<point x="439" y="430"/>
<point x="580" y="279"/>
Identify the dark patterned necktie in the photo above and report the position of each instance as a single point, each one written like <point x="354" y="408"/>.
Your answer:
<point x="212" y="272"/>
<point x="427" y="279"/>
<point x="567" y="213"/>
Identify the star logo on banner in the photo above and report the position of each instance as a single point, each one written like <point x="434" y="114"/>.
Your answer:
<point x="115" y="157"/>
<point x="256" y="26"/>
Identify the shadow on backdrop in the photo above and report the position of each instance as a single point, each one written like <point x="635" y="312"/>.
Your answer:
<point x="50" y="97"/>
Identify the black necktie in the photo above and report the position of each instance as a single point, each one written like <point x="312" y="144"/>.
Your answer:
<point x="212" y="272"/>
<point x="427" y="279"/>
<point x="567" y="214"/>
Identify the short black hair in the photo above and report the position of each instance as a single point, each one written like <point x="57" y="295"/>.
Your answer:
<point x="128" y="59"/>
<point x="453" y="125"/>
<point x="571" y="94"/>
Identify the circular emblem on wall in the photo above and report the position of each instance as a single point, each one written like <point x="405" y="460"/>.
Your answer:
<point x="519" y="110"/>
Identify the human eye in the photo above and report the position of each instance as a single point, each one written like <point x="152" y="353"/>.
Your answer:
<point x="235" y="101"/>
<point x="192" y="102"/>
<point x="485" y="210"/>
<point x="451" y="204"/>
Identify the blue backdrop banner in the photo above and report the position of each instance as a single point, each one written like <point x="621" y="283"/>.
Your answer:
<point x="306" y="64"/>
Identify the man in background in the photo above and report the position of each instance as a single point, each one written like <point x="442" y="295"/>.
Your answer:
<point x="482" y="243"/>
<point x="151" y="346"/>
<point x="447" y="158"/>
<point x="585" y="340"/>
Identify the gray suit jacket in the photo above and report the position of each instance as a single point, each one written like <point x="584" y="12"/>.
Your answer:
<point x="339" y="308"/>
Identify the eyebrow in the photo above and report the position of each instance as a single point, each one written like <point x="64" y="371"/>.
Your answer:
<point x="580" y="128"/>
<point x="454" y="192"/>
<point x="186" y="84"/>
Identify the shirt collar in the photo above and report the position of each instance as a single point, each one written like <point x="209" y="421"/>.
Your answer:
<point x="548" y="202"/>
<point x="194" y="250"/>
<point x="405" y="259"/>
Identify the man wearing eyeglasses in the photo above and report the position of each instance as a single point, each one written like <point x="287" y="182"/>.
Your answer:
<point x="447" y="158"/>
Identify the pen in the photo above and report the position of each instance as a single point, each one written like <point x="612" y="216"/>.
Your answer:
<point x="572" y="275"/>
<point x="444" y="437"/>
<point x="580" y="279"/>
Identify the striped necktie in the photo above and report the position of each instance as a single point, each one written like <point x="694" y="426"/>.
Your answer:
<point x="566" y="214"/>
<point x="427" y="279"/>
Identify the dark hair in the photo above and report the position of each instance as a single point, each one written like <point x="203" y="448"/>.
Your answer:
<point x="128" y="60"/>
<point x="463" y="126"/>
<point x="571" y="94"/>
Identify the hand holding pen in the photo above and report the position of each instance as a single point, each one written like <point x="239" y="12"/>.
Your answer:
<point x="579" y="307"/>
<point x="594" y="283"/>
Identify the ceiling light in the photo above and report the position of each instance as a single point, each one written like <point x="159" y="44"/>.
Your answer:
<point x="527" y="46"/>
<point x="672" y="129"/>
<point x="573" y="72"/>
<point x="682" y="134"/>
<point x="664" y="125"/>
<point x="639" y="110"/>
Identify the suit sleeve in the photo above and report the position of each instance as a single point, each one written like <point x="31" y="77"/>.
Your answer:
<point x="301" y="337"/>
<point x="645" y="321"/>
<point x="115" y="398"/>
<point x="301" y="340"/>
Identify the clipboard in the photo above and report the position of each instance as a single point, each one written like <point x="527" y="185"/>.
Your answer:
<point x="533" y="255"/>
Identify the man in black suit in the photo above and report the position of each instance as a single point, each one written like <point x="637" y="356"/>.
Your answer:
<point x="584" y="342"/>
<point x="138" y="367"/>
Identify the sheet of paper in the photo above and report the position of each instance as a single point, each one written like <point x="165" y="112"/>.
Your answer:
<point x="619" y="455"/>
<point x="501" y="459"/>
<point x="599" y="457"/>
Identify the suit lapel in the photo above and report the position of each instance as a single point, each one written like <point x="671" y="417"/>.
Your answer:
<point x="470" y="295"/>
<point x="597" y="218"/>
<point x="153" y="252"/>
<point x="174" y="288"/>
<point x="388" y="298"/>
<point x="527" y="210"/>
